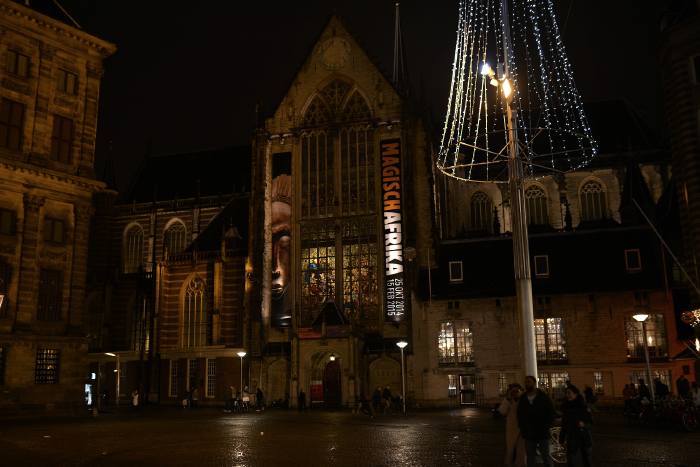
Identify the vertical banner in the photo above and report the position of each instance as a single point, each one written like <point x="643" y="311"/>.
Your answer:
<point x="394" y="299"/>
<point x="281" y="226"/>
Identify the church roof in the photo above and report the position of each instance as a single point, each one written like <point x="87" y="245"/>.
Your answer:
<point x="189" y="175"/>
<point x="231" y="221"/>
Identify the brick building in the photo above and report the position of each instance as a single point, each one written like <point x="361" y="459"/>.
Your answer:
<point x="49" y="91"/>
<point x="165" y="295"/>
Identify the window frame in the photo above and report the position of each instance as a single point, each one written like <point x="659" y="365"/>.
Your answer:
<point x="50" y="229"/>
<point x="12" y="215"/>
<point x="132" y="249"/>
<point x="658" y="333"/>
<point x="14" y="57"/>
<point x="9" y="126"/>
<point x="63" y="82"/>
<point x="50" y="300"/>
<point x="589" y="205"/>
<point x="47" y="366"/>
<point x="639" y="260"/>
<point x="550" y="345"/>
<point x="173" y="378"/>
<point x="195" y="315"/>
<point x="210" y="388"/>
<point x="451" y="340"/>
<point x="537" y="206"/>
<point x="538" y="273"/>
<point x="62" y="145"/>
<point x="461" y="272"/>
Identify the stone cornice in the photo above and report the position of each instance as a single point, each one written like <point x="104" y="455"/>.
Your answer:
<point x="9" y="9"/>
<point x="81" y="182"/>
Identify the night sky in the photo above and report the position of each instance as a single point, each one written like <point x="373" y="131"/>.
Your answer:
<point x="187" y="75"/>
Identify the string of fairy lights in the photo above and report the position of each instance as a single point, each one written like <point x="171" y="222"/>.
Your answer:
<point x="537" y="81"/>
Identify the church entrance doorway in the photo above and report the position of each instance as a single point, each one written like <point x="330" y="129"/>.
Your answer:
<point x="332" y="395"/>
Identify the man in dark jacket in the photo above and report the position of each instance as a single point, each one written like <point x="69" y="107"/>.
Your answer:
<point x="535" y="418"/>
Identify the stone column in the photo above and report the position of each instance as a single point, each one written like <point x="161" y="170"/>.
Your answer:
<point x="28" y="284"/>
<point x="82" y="213"/>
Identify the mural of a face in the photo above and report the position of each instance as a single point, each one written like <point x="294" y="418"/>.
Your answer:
<point x="281" y="217"/>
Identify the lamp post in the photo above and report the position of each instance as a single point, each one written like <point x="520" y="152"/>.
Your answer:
<point x="642" y="318"/>
<point x="401" y="345"/>
<point x="116" y="372"/>
<point x="241" y="354"/>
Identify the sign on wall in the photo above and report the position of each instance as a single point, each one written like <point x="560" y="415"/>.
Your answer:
<point x="394" y="298"/>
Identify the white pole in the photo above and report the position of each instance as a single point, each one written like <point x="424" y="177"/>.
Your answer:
<point x="521" y="253"/>
<point x="646" y="360"/>
<point x="403" y="383"/>
<point x="241" y="387"/>
<point x="118" y="373"/>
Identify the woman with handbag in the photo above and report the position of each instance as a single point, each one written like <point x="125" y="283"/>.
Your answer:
<point x="515" y="444"/>
<point x="575" y="428"/>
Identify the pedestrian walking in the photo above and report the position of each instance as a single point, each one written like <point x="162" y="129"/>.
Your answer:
<point x="386" y="399"/>
<point x="643" y="391"/>
<point x="194" y="397"/>
<point x="683" y="387"/>
<point x="230" y="399"/>
<point x="135" y="398"/>
<point x="377" y="399"/>
<point x="575" y="428"/>
<point x="515" y="443"/>
<point x="535" y="418"/>
<point x="661" y="389"/>
<point x="590" y="398"/>
<point x="301" y="401"/>
<point x="259" y="400"/>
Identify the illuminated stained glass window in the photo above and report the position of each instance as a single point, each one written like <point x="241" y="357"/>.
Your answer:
<point x="536" y="200"/>
<point x="481" y="212"/>
<point x="358" y="169"/>
<point x="317" y="172"/>
<point x="550" y="339"/>
<point x="593" y="202"/>
<point x="455" y="343"/>
<point x="133" y="249"/>
<point x="317" y="265"/>
<point x="656" y="337"/>
<point x="360" y="293"/>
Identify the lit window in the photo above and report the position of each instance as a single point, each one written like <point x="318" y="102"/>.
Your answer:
<point x="67" y="82"/>
<point x="211" y="377"/>
<point x="541" y="265"/>
<point x="451" y="385"/>
<point x="455" y="343"/>
<point x="656" y="337"/>
<point x="50" y="295"/>
<point x="54" y="231"/>
<point x="550" y="341"/>
<point x="46" y="367"/>
<point x="133" y="249"/>
<point x="536" y="200"/>
<point x="593" y="202"/>
<point x="175" y="238"/>
<point x="17" y="64"/>
<point x="481" y="212"/>
<point x="62" y="139"/>
<point x="360" y="291"/>
<point x="598" y="382"/>
<point x="173" y="389"/>
<point x="8" y="222"/>
<point x="456" y="271"/>
<point x="317" y="266"/>
<point x="633" y="260"/>
<point x="195" y="316"/>
<point x="663" y="375"/>
<point x="11" y="124"/>
<point x="554" y="383"/>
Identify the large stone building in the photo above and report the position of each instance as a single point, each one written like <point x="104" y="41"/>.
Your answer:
<point x="49" y="91"/>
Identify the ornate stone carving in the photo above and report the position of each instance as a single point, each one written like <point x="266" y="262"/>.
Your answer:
<point x="33" y="202"/>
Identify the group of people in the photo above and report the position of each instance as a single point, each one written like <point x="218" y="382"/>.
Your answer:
<point x="530" y="415"/>
<point x="240" y="401"/>
<point x="382" y="401"/>
<point x="640" y="395"/>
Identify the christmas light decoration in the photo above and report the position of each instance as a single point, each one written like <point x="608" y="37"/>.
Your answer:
<point x="533" y="73"/>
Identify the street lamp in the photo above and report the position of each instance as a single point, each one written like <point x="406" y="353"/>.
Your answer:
<point x="642" y="318"/>
<point x="116" y="371"/>
<point x="241" y="354"/>
<point x="401" y="345"/>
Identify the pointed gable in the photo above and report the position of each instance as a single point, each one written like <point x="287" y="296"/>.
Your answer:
<point x="338" y="82"/>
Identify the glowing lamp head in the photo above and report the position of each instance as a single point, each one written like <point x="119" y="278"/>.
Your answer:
<point x="640" y="317"/>
<point x="401" y="344"/>
<point x="486" y="70"/>
<point x="110" y="354"/>
<point x="507" y="89"/>
<point x="241" y="354"/>
<point x="332" y="358"/>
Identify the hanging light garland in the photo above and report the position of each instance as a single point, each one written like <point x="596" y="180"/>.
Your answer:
<point x="537" y="81"/>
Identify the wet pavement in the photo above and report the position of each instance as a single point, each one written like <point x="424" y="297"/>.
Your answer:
<point x="466" y="437"/>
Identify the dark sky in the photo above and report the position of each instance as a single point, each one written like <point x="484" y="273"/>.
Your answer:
<point x="187" y="75"/>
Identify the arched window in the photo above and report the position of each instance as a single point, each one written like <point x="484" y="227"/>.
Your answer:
<point x="174" y="239"/>
<point x="195" y="322"/>
<point x="536" y="200"/>
<point x="482" y="212"/>
<point x="133" y="249"/>
<point x="593" y="202"/>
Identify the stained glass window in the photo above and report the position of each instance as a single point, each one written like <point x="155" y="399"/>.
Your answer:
<point x="593" y="203"/>
<point x="481" y="212"/>
<point x="536" y="200"/>
<point x="133" y="249"/>
<point x="317" y="265"/>
<point x="175" y="238"/>
<point x="317" y="167"/>
<point x="360" y="292"/>
<point x="195" y="316"/>
<point x="357" y="177"/>
<point x="549" y="339"/>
